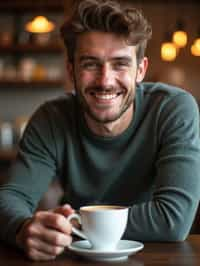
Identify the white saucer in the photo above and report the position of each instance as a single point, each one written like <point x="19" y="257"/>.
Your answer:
<point x="123" y="250"/>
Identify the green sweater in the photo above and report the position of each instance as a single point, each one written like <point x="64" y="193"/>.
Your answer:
<point x="152" y="167"/>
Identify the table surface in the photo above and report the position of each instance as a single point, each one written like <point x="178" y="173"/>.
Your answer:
<point x="154" y="254"/>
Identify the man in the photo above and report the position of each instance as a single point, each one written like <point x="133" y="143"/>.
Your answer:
<point x="116" y="141"/>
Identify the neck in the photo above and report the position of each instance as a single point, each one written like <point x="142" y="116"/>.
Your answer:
<point x="111" y="129"/>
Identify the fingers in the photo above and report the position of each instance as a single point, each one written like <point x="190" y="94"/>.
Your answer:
<point x="45" y="235"/>
<point x="44" y="247"/>
<point x="65" y="210"/>
<point x="37" y="255"/>
<point x="54" y="221"/>
<point x="49" y="236"/>
<point x="44" y="243"/>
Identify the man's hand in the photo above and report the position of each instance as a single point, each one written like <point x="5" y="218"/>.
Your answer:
<point x="46" y="234"/>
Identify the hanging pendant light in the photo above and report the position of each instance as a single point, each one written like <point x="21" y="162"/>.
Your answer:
<point x="179" y="37"/>
<point x="195" y="48"/>
<point x="168" y="49"/>
<point x="40" y="24"/>
<point x="197" y="43"/>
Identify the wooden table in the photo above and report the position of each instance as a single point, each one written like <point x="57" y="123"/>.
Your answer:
<point x="185" y="253"/>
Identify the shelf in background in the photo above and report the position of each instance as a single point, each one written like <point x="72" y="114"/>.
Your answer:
<point x="31" y="48"/>
<point x="31" y="84"/>
<point x="31" y="6"/>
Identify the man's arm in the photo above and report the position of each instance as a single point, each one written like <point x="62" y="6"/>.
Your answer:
<point x="170" y="213"/>
<point x="29" y="177"/>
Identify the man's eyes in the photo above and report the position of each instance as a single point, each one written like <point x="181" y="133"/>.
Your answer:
<point x="116" y="65"/>
<point x="90" y="65"/>
<point x="121" y="65"/>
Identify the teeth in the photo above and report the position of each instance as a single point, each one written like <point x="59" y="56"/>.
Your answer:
<point x="106" y="96"/>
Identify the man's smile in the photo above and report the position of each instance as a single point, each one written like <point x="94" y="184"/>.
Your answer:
<point x="105" y="99"/>
<point x="105" y="95"/>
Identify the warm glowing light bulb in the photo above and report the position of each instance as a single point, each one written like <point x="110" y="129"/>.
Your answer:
<point x="40" y="24"/>
<point x="195" y="50"/>
<point x="180" y="38"/>
<point x="168" y="51"/>
<point x="197" y="43"/>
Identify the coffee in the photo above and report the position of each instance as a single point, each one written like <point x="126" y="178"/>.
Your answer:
<point x="102" y="208"/>
<point x="103" y="225"/>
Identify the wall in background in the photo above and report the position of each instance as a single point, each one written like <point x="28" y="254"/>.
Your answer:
<point x="184" y="71"/>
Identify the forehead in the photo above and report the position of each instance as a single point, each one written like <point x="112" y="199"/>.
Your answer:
<point x="102" y="44"/>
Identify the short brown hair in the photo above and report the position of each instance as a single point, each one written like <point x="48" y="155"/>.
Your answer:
<point x="106" y="16"/>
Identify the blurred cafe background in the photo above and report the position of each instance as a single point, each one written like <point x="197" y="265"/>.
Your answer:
<point x="32" y="65"/>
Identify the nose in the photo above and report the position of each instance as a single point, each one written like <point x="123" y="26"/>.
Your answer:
<point x="106" y="77"/>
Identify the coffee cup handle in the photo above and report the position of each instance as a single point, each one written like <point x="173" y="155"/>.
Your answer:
<point x="74" y="229"/>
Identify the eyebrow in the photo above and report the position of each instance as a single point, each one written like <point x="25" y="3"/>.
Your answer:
<point x="117" y="58"/>
<point x="88" y="57"/>
<point x="127" y="59"/>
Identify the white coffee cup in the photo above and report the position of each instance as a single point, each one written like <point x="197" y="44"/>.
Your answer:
<point x="103" y="225"/>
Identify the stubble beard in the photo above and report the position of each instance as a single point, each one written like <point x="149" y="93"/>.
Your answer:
<point x="88" y="111"/>
<point x="85" y="108"/>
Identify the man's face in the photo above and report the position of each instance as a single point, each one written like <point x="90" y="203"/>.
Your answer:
<point x="104" y="74"/>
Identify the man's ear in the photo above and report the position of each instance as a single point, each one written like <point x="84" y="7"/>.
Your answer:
<point x="142" y="68"/>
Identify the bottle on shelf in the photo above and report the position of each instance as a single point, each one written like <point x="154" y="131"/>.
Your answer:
<point x="6" y="135"/>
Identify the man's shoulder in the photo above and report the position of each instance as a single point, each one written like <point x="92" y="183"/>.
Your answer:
<point x="58" y="110"/>
<point x="164" y="93"/>
<point x="159" y="88"/>
<point x="66" y="100"/>
<point x="62" y="105"/>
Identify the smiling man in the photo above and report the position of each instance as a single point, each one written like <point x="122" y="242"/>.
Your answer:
<point x="105" y="74"/>
<point x="116" y="140"/>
